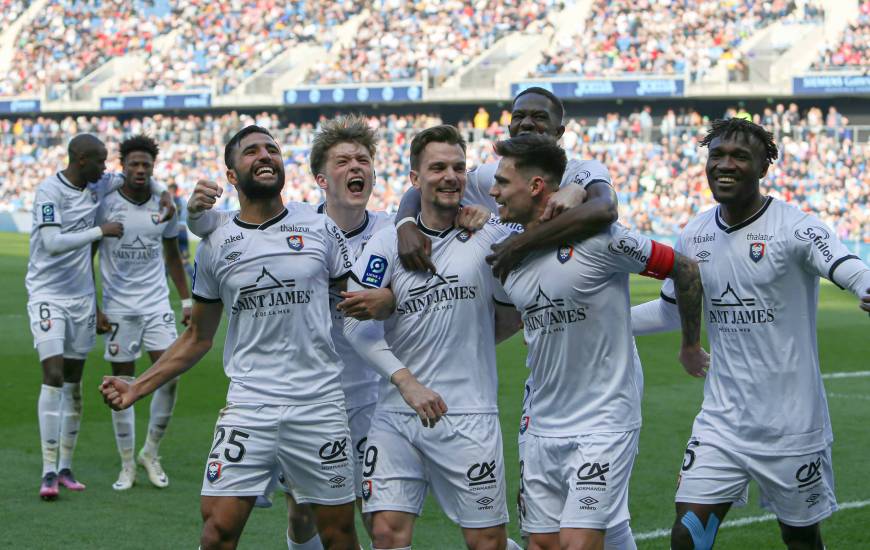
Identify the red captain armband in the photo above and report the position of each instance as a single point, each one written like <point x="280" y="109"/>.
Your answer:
<point x="661" y="261"/>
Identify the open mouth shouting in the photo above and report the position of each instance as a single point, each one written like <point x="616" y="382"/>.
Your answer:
<point x="356" y="185"/>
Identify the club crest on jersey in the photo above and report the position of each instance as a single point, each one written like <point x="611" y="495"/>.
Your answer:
<point x="295" y="242"/>
<point x="155" y="218"/>
<point x="45" y="325"/>
<point x="756" y="252"/>
<point x="464" y="235"/>
<point x="47" y="213"/>
<point x="113" y="349"/>
<point x="375" y="270"/>
<point x="367" y="489"/>
<point x="213" y="472"/>
<point x="524" y="424"/>
<point x="564" y="253"/>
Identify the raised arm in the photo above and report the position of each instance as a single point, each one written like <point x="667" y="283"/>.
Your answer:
<point x="201" y="219"/>
<point x="183" y="354"/>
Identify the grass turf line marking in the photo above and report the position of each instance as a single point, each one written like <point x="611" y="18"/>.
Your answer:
<point x="849" y="396"/>
<point x="854" y="374"/>
<point x="661" y="533"/>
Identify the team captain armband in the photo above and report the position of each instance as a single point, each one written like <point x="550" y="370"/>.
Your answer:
<point x="661" y="261"/>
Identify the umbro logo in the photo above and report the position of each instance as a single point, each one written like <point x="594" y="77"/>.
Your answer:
<point x="485" y="501"/>
<point x="233" y="256"/>
<point x="337" y="480"/>
<point x="588" y="501"/>
<point x="703" y="255"/>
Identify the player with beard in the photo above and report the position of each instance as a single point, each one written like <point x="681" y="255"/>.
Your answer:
<point x="443" y="332"/>
<point x="61" y="297"/>
<point x="341" y="161"/>
<point x="271" y="269"/>
<point x="582" y="426"/>
<point x="765" y="415"/>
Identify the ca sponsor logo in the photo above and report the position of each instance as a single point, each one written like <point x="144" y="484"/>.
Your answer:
<point x="169" y="318"/>
<point x="812" y="500"/>
<point x="593" y="473"/>
<point x="818" y="237"/>
<point x="334" y="452"/>
<point x="809" y="474"/>
<point x="481" y="473"/>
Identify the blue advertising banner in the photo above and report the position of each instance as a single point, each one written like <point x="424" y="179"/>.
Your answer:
<point x="20" y="106"/>
<point x="605" y="89"/>
<point x="155" y="101"/>
<point x="333" y="95"/>
<point x="831" y="84"/>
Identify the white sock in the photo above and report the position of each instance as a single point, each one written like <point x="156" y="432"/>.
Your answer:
<point x="619" y="537"/>
<point x="512" y="545"/>
<point x="70" y="422"/>
<point x="124" y="423"/>
<point x="313" y="544"/>
<point x="162" y="404"/>
<point x="48" y="411"/>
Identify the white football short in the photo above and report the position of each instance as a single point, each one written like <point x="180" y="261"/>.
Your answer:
<point x="460" y="460"/>
<point x="799" y="490"/>
<point x="131" y="333"/>
<point x="307" y="446"/>
<point x="64" y="327"/>
<point x="576" y="482"/>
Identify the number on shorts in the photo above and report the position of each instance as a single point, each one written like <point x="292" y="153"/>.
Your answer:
<point x="689" y="459"/>
<point x="221" y="434"/>
<point x="522" y="485"/>
<point x="44" y="312"/>
<point x="370" y="461"/>
<point x="114" y="331"/>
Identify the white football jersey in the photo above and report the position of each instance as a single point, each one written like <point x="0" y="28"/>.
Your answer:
<point x="132" y="268"/>
<point x="480" y="179"/>
<point x="443" y="329"/>
<point x="59" y="203"/>
<point x="358" y="380"/>
<point x="576" y="311"/>
<point x="273" y="280"/>
<point x="763" y="393"/>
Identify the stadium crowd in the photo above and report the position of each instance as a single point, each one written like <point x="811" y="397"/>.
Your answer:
<point x="9" y="12"/>
<point x="647" y="36"/>
<point x="852" y="50"/>
<point x="658" y="172"/>
<point x="400" y="39"/>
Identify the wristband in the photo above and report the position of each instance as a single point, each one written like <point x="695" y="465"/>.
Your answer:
<point x="186" y="302"/>
<point x="405" y="220"/>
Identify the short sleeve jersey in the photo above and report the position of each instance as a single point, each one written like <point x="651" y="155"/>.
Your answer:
<point x="60" y="203"/>
<point x="443" y="329"/>
<point x="273" y="280"/>
<point x="481" y="178"/>
<point x="576" y="312"/>
<point x="763" y="393"/>
<point x="132" y="268"/>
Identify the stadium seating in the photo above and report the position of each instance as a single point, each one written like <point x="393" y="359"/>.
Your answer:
<point x="646" y="36"/>
<point x="852" y="50"/>
<point x="9" y="12"/>
<point x="659" y="177"/>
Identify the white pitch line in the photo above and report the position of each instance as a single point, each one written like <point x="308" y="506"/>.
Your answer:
<point x="849" y="396"/>
<point x="854" y="374"/>
<point x="661" y="533"/>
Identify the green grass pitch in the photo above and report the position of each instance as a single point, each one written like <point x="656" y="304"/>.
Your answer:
<point x="145" y="517"/>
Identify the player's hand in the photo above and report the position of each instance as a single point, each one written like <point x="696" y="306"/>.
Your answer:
<point x="505" y="256"/>
<point x="472" y="217"/>
<point x="426" y="403"/>
<point x="565" y="198"/>
<point x="378" y="303"/>
<point x="167" y="206"/>
<point x="415" y="248"/>
<point x="112" y="229"/>
<point x="186" y="312"/>
<point x="865" y="301"/>
<point x="103" y="325"/>
<point x="204" y="197"/>
<point x="117" y="393"/>
<point x="695" y="360"/>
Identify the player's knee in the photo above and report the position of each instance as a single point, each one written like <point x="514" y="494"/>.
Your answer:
<point x="583" y="539"/>
<point x="216" y="536"/>
<point x="800" y="538"/>
<point x="52" y="372"/>
<point x="301" y="524"/>
<point x="681" y="538"/>
<point x="492" y="538"/>
<point x="388" y="532"/>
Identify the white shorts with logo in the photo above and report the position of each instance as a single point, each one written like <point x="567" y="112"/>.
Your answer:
<point x="576" y="482"/>
<point x="360" y="420"/>
<point x="460" y="460"/>
<point x="131" y="333"/>
<point x="799" y="490"/>
<point x="305" y="445"/>
<point x="63" y="326"/>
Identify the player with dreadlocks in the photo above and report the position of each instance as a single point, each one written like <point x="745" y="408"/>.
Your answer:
<point x="764" y="415"/>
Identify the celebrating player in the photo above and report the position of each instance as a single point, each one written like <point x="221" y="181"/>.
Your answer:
<point x="765" y="415"/>
<point x="443" y="333"/>
<point x="583" y="421"/>
<point x="136" y="312"/>
<point x="61" y="301"/>
<point x="270" y="268"/>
